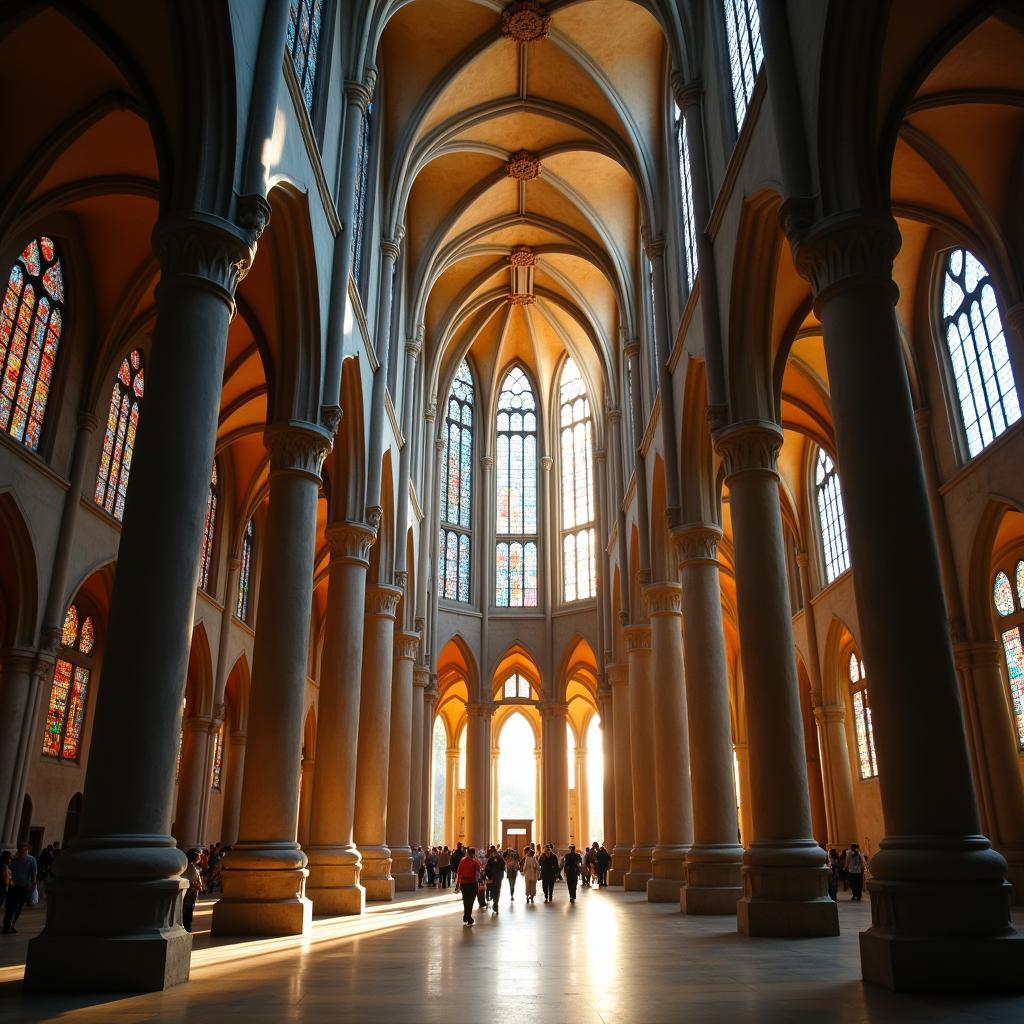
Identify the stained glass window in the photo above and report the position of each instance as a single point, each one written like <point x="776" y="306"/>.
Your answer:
<point x="1020" y="582"/>
<point x="1014" y="651"/>
<point x="361" y="200"/>
<point x="743" y="34"/>
<point x="217" y="769"/>
<point x="516" y="687"/>
<point x="30" y="324"/>
<point x="65" y="713"/>
<point x="516" y="471"/>
<point x="979" y="360"/>
<point x="579" y="556"/>
<point x="1011" y="632"/>
<point x="303" y="44"/>
<point x="245" y="571"/>
<point x="119" y="438"/>
<point x="867" y="760"/>
<point x="457" y="489"/>
<point x="181" y="740"/>
<point x="1003" y="594"/>
<point x="686" y="201"/>
<point x="831" y="517"/>
<point x="209" y="526"/>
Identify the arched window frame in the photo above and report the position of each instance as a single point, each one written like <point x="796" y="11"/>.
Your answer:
<point x="119" y="437"/>
<point x="217" y="765"/>
<point x="744" y="51"/>
<point x="687" y="216"/>
<point x="973" y="343"/>
<point x="455" y="544"/>
<point x="246" y="574"/>
<point x="1008" y="612"/>
<point x="304" y="42"/>
<point x="830" y="516"/>
<point x="365" y="161"/>
<point x="572" y="528"/>
<point x="510" y="542"/>
<point x="206" y="560"/>
<point x="69" y="687"/>
<point x="31" y="324"/>
<point x="863" y="728"/>
<point x="516" y="688"/>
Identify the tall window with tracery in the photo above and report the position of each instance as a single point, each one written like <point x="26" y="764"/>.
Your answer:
<point x="743" y="34"/>
<point x="1009" y="604"/>
<point x="453" y="572"/>
<point x="362" y="197"/>
<point x="119" y="438"/>
<point x="209" y="528"/>
<point x="979" y="360"/>
<point x="304" y="44"/>
<point x="686" y="201"/>
<point x="245" y="569"/>
<point x="831" y="517"/>
<point x="31" y="320"/>
<point x="62" y="735"/>
<point x="516" y="476"/>
<point x="217" y="768"/>
<point x="579" y="538"/>
<point x="867" y="761"/>
<point x="516" y="687"/>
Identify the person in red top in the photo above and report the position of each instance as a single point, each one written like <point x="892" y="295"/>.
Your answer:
<point x="467" y="878"/>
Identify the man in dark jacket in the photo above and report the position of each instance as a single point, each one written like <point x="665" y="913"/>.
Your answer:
<point x="494" y="869"/>
<point x="572" y="868"/>
<point x="604" y="862"/>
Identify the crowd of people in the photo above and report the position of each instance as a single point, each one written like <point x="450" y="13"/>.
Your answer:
<point x="846" y="869"/>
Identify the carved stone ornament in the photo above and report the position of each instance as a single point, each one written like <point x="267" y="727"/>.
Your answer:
<point x="654" y="247"/>
<point x="686" y="94"/>
<point x="697" y="543"/>
<point x="401" y="578"/>
<point x="350" y="541"/>
<point x="638" y="638"/>
<point x="382" y="600"/>
<point x="525" y="21"/>
<point x="204" y="248"/>
<point x="547" y="462"/>
<point x="390" y="248"/>
<point x="618" y="675"/>
<point x="296" y="448"/>
<point x="406" y="645"/>
<point x="420" y="623"/>
<point x="750" y="446"/>
<point x="421" y="677"/>
<point x="521" y="299"/>
<point x="664" y="598"/>
<point x="487" y="463"/>
<point x="253" y="215"/>
<point x="330" y="418"/>
<point x="522" y="256"/>
<point x="632" y="349"/>
<point x="523" y="165"/>
<point x="374" y="514"/>
<point x="480" y="709"/>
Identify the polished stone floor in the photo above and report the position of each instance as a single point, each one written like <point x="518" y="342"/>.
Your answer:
<point x="611" y="958"/>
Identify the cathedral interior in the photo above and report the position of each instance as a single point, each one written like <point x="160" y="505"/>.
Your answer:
<point x="507" y="422"/>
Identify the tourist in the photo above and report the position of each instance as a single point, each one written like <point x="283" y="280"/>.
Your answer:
<point x="6" y="879"/>
<point x="855" y="864"/>
<point x="467" y="879"/>
<point x="589" y="867"/>
<point x="548" y="872"/>
<point x="418" y="865"/>
<point x="531" y="872"/>
<point x="444" y="867"/>
<point x="457" y="854"/>
<point x="431" y="867"/>
<point x="572" y="868"/>
<point x="24" y="874"/>
<point x="495" y="871"/>
<point x="195" y="887"/>
<point x="481" y="864"/>
<point x="834" y="869"/>
<point x="604" y="862"/>
<point x="511" y="872"/>
<point x="45" y="862"/>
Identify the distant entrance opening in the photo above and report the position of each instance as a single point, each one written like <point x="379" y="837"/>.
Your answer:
<point x="516" y="833"/>
<point x="517" y="771"/>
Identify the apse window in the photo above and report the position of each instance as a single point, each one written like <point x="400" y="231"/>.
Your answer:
<point x="743" y="34"/>
<point x="65" y="713"/>
<point x="1008" y="599"/>
<point x="831" y="517"/>
<point x="579" y="537"/>
<point x="119" y="437"/>
<point x="867" y="761"/>
<point x="454" y="549"/>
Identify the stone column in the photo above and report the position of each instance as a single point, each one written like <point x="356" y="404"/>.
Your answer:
<point x="671" y="743"/>
<point x="192" y="779"/>
<point x="784" y="876"/>
<point x="604" y="702"/>
<point x="495" y="828"/>
<point x="538" y="792"/>
<point x="371" y="806"/>
<point x="641" y="729"/>
<point x="713" y="862"/>
<point x="451" y="787"/>
<point x="618" y="677"/>
<point x="21" y="680"/>
<point x="334" y="860"/>
<point x="400" y="761"/>
<point x="933" y="852"/>
<point x="478" y="762"/>
<point x="582" y="798"/>
<point x="233" y="792"/>
<point x="556" y="776"/>
<point x="121" y="885"/>
<point x="427" y="784"/>
<point x="308" y="766"/>
<point x="419" y="761"/>
<point x="265" y="874"/>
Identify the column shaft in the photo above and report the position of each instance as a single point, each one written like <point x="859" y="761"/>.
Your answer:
<point x="604" y="700"/>
<point x="305" y="800"/>
<point x="641" y="727"/>
<point x="582" y="799"/>
<point x="233" y="792"/>
<point x="618" y="677"/>
<point x="478" y="763"/>
<point x="419" y="758"/>
<point x="20" y="682"/>
<point x="192" y="778"/>
<point x="556" y="776"/>
<point x="451" y="785"/>
<point x="400" y="761"/>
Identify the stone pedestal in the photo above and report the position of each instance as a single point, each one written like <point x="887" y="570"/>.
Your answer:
<point x="618" y="678"/>
<point x="641" y="727"/>
<point x="400" y="762"/>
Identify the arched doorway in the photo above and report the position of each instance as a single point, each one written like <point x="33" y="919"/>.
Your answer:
<point x="71" y="818"/>
<point x="517" y="781"/>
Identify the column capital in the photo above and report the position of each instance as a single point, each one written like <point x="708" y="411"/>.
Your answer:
<point x="350" y="542"/>
<point x="696" y="543"/>
<point x="406" y="645"/>
<point x="638" y="637"/>
<point x="654" y="246"/>
<point x="487" y="463"/>
<point x="975" y="653"/>
<point x="438" y="445"/>
<point x="846" y="249"/>
<point x="1013" y="317"/>
<point x="614" y="415"/>
<point x="430" y="693"/>
<point x="413" y="348"/>
<point x="554" y="709"/>
<point x="480" y="709"/>
<point x="632" y="349"/>
<point x="360" y="93"/>
<point x="19" y="660"/>
<point x="751" y="446"/>
<point x="420" y="677"/>
<point x="599" y="456"/>
<point x="830" y="713"/>
<point x="390" y="248"/>
<point x="374" y="514"/>
<point x="547" y="462"/>
<point x="618" y="674"/>
<point x="206" y="250"/>
<point x="87" y="421"/>
<point x="401" y="578"/>
<point x="663" y="598"/>
<point x="803" y="560"/>
<point x="220" y="712"/>
<point x="685" y="93"/>
<point x="297" y="448"/>
<point x="382" y="600"/>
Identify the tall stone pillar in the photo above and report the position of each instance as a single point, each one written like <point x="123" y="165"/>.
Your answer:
<point x="556" y="776"/>
<point x="785" y="883"/>
<point x="192" y="779"/>
<point x="451" y="787"/>
<point x="427" y="783"/>
<point x="933" y="853"/>
<point x="419" y="761"/>
<point x="334" y="861"/>
<point x="113" y="916"/>
<point x="21" y="683"/>
<point x="478" y="763"/>
<point x="538" y="793"/>
<point x="233" y="792"/>
<point x="671" y="743"/>
<point x="494" y="833"/>
<point x="641" y="729"/>
<point x="265" y="873"/>
<point x="604" y="703"/>
<point x="618" y="677"/>
<point x="371" y="807"/>
<point x="582" y="798"/>
<point x="713" y="863"/>
<point x="400" y="761"/>
<point x="308" y="766"/>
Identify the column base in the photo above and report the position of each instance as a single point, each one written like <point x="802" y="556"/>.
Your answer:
<point x="712" y="887"/>
<point x="636" y="881"/>
<point x="380" y="890"/>
<point x="401" y="869"/>
<point x="333" y="884"/>
<point x="1015" y="875"/>
<point x="261" y="897"/>
<point x="709" y="901"/>
<point x="668" y="873"/>
<point x="786" y="901"/>
<point x="620" y="865"/>
<point x="640" y="869"/>
<point x="663" y="890"/>
<point x="376" y="876"/>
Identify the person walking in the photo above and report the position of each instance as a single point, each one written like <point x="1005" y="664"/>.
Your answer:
<point x="511" y="872"/>
<point x="531" y="872"/>
<point x="481" y="864"/>
<point x="495" y="871"/>
<point x="467" y="879"/>
<point x="418" y="865"/>
<point x="572" y="868"/>
<point x="548" y="872"/>
<point x="444" y="867"/>
<point x="604" y="862"/>
<point x="833" y="874"/>
<point x="457" y="854"/>
<point x="856" y="862"/>
<point x="432" y="868"/>
<point x="24" y="875"/>
<point x="195" y="886"/>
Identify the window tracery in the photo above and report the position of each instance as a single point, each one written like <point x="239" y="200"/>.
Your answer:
<point x="217" y="768"/>
<point x="362" y="199"/>
<point x="831" y="517"/>
<point x="245" y="569"/>
<point x="867" y="760"/>
<point x="209" y="528"/>
<point x="686" y="202"/>
<point x="119" y="437"/>
<point x="31" y="320"/>
<point x="457" y="489"/>
<point x="517" y="687"/>
<point x="579" y="542"/>
<point x="1008" y="601"/>
<point x="304" y="17"/>
<point x="743" y="34"/>
<point x="65" y="714"/>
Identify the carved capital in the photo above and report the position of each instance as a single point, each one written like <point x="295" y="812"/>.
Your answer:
<point x="297" y="448"/>
<point x="480" y="709"/>
<point x="87" y="421"/>
<point x="438" y="445"/>
<point x="525" y="21"/>
<point x="547" y="462"/>
<point x="654" y="246"/>
<point x="22" y="662"/>
<point x="663" y="598"/>
<point x="360" y="93"/>
<point x="406" y="645"/>
<point x="420" y="623"/>
<point x="220" y="712"/>
<point x="401" y="578"/>
<point x="382" y="600"/>
<point x="430" y="693"/>
<point x="522" y="256"/>
<point x="685" y="93"/>
<point x="599" y="456"/>
<point x="638" y="638"/>
<point x="374" y="514"/>
<point x="847" y="249"/>
<point x="487" y="463"/>
<point x="330" y="418"/>
<point x="978" y="654"/>
<point x="205" y="251"/>
<point x="390" y="248"/>
<point x="632" y="349"/>
<point x="431" y="413"/>
<point x="697" y="543"/>
<point x="413" y="348"/>
<point x="802" y="560"/>
<point x="751" y="446"/>
<point x="350" y="542"/>
<point x="521" y="299"/>
<point x="615" y="415"/>
<point x="618" y="674"/>
<point x="253" y="215"/>
<point x="523" y="165"/>
<point x="420" y="677"/>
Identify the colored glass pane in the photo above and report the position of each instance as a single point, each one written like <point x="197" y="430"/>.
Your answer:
<point x="119" y="436"/>
<point x="688" y="215"/>
<point x="1020" y="583"/>
<point x="979" y="358"/>
<point x="209" y="525"/>
<point x="361" y="197"/>
<point x="579" y="580"/>
<point x="303" y="44"/>
<point x="1002" y="594"/>
<point x="57" y="708"/>
<point x="69" y="632"/>
<point x="743" y="35"/>
<point x="87" y="637"/>
<point x="1014" y="651"/>
<point x="31" y="319"/>
<point x="218" y="758"/>
<point x="457" y="488"/>
<point x="831" y="517"/>
<point x="245" y="572"/>
<point x="854" y="670"/>
<point x="76" y="714"/>
<point x="867" y="761"/>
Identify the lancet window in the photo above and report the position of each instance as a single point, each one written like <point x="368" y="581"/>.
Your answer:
<point x="245" y="572"/>
<point x="457" y="489"/>
<point x="867" y="760"/>
<point x="516" y="687"/>
<point x="209" y="529"/>
<point x="1008" y="598"/>
<point x="304" y="18"/>
<point x="119" y="437"/>
<point x="831" y="517"/>
<point x="362" y="197"/>
<point x="743" y="35"/>
<point x="579" y="540"/>
<point x="65" y="714"/>
<point x="689" y="225"/>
